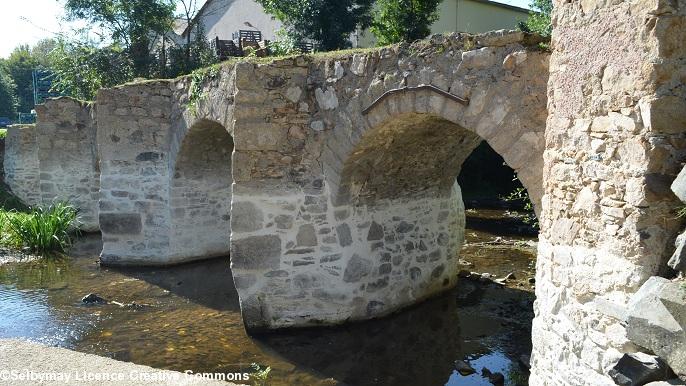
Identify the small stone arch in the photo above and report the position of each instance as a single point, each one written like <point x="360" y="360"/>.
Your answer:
<point x="200" y="193"/>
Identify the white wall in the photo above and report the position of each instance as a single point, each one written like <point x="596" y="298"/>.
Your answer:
<point x="221" y="18"/>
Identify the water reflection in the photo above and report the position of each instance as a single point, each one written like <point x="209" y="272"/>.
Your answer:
<point x="190" y="319"/>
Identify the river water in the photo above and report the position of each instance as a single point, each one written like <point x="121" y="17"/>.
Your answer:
<point x="187" y="318"/>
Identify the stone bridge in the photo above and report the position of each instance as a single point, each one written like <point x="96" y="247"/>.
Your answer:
<point x="330" y="180"/>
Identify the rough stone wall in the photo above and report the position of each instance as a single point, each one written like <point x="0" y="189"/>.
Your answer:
<point x="134" y="139"/>
<point x="614" y="142"/>
<point x="68" y="157"/>
<point x="21" y="163"/>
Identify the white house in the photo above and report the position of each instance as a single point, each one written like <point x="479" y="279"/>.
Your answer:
<point x="222" y="18"/>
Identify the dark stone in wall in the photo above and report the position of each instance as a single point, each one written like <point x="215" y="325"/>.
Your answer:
<point x="148" y="156"/>
<point x="344" y="236"/>
<point x="375" y="232"/>
<point x="120" y="223"/>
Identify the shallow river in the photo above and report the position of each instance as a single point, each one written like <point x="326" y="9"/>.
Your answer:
<point x="190" y="319"/>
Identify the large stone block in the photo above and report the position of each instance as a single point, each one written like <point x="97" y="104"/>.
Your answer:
<point x="246" y="217"/>
<point x="656" y="320"/>
<point x="120" y="223"/>
<point x="256" y="252"/>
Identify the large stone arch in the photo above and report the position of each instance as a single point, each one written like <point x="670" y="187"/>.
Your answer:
<point x="513" y="130"/>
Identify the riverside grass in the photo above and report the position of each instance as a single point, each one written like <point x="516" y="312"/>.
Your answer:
<point x="40" y="230"/>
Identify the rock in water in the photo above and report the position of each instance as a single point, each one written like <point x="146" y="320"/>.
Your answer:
<point x="497" y="379"/>
<point x="678" y="259"/>
<point x="93" y="299"/>
<point x="464" y="368"/>
<point x="638" y="369"/>
<point x="679" y="185"/>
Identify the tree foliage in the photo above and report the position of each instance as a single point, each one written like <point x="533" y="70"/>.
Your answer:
<point x="80" y="70"/>
<point x="403" y="20"/>
<point x="539" y="18"/>
<point x="327" y="22"/>
<point x="183" y="59"/>
<point x="8" y="94"/>
<point x="132" y="24"/>
<point x="20" y="66"/>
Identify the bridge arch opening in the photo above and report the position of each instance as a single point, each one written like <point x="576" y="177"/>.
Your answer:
<point x="407" y="215"/>
<point x="200" y="190"/>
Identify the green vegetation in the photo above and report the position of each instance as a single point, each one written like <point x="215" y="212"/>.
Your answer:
<point x="38" y="230"/>
<point x="132" y="24"/>
<point x="80" y="70"/>
<point x="398" y="21"/>
<point x="3" y="133"/>
<point x="198" y="79"/>
<point x="329" y="23"/>
<point x="681" y="212"/>
<point x="8" y="94"/>
<point x="41" y="230"/>
<point x="539" y="18"/>
<point x="259" y="374"/>
<point x="522" y="196"/>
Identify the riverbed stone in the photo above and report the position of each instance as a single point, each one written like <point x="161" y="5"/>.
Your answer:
<point x="679" y="185"/>
<point x="638" y="369"/>
<point x="678" y="260"/>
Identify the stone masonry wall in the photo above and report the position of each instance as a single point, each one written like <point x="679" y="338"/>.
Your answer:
<point x="133" y="137"/>
<point x="21" y="163"/>
<point x="68" y="157"/>
<point x="614" y="142"/>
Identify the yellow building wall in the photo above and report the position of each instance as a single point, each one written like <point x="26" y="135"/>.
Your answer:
<point x="471" y="16"/>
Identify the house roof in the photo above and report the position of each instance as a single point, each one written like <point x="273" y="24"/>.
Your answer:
<point x="501" y="5"/>
<point x="197" y="14"/>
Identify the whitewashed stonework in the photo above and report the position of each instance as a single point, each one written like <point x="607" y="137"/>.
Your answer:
<point x="614" y="143"/>
<point x="21" y="163"/>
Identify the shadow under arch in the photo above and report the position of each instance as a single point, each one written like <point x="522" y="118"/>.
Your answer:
<point x="200" y="193"/>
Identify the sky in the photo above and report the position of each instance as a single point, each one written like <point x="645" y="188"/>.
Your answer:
<point x="28" y="21"/>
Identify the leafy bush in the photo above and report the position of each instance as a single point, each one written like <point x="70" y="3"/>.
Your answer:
<point x="403" y="20"/>
<point x="284" y="44"/>
<point x="539" y="20"/>
<point x="41" y="230"/>
<point x="522" y="196"/>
